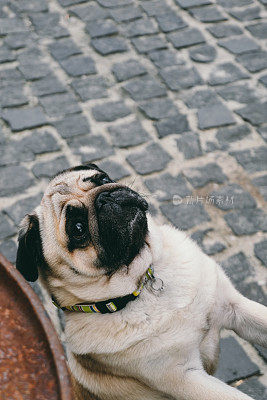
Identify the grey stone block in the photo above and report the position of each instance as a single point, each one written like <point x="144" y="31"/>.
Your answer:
<point x="144" y="88"/>
<point x="261" y="183"/>
<point x="207" y="14"/>
<point x="254" y="388"/>
<point x="156" y="7"/>
<point x="60" y="104"/>
<point x="47" y="85"/>
<point x="172" y="125"/>
<point x="224" y="30"/>
<point x="258" y="30"/>
<point x="64" y="48"/>
<point x="253" y="159"/>
<point x="186" y="37"/>
<point x="72" y="125"/>
<point x="124" y="14"/>
<point x="9" y="249"/>
<point x="158" y="108"/>
<point x="263" y="80"/>
<point x="6" y="228"/>
<point x="238" y="268"/>
<point x="213" y="116"/>
<point x="127" y="70"/>
<point x="89" y="12"/>
<point x="180" y="77"/>
<point x="48" y="169"/>
<point x="91" y="147"/>
<point x="226" y="73"/>
<point x="12" y="96"/>
<point x="247" y="222"/>
<point x="24" y="118"/>
<point x="48" y="25"/>
<point x="153" y="158"/>
<point x="202" y="98"/>
<point x="255" y="113"/>
<point x="254" y="61"/>
<point x="110" y="111"/>
<point x="114" y="3"/>
<point x="234" y="3"/>
<point x="238" y="93"/>
<point x="233" y="134"/>
<point x="140" y="27"/>
<point x="260" y="251"/>
<point x="39" y="142"/>
<point x="22" y="207"/>
<point x="185" y="216"/>
<point x="115" y="170"/>
<point x="101" y="27"/>
<point x="203" y="54"/>
<point x="14" y="179"/>
<point x="189" y="145"/>
<point x="234" y="363"/>
<point x="126" y="135"/>
<point x="109" y="45"/>
<point x="246" y="14"/>
<point x="11" y="25"/>
<point x="166" y="186"/>
<point x="199" y="177"/>
<point x="149" y="43"/>
<point x="170" y="22"/>
<point x="165" y="58"/>
<point x="240" y="45"/>
<point x="78" y="66"/>
<point x="93" y="87"/>
<point x="192" y="3"/>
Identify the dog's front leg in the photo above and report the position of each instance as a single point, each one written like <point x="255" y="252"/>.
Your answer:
<point x="196" y="384"/>
<point x="245" y="317"/>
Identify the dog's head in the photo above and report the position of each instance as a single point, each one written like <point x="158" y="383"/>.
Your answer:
<point x="86" y="224"/>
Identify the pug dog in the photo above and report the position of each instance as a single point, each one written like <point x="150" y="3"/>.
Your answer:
<point x="143" y="304"/>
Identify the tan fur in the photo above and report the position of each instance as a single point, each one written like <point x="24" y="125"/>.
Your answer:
<point x="160" y="345"/>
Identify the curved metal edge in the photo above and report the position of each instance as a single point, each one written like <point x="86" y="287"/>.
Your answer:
<point x="56" y="348"/>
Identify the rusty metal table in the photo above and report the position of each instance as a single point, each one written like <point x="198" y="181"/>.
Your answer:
<point x="32" y="362"/>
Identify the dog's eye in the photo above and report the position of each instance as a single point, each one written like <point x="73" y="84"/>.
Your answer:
<point x="105" y="180"/>
<point x="79" y="230"/>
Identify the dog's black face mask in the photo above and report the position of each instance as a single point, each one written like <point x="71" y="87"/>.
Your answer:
<point x="122" y="226"/>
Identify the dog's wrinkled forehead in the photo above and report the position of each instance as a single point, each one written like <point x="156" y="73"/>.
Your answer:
<point x="75" y="181"/>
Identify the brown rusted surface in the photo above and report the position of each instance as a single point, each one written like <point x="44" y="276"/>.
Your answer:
<point x="32" y="362"/>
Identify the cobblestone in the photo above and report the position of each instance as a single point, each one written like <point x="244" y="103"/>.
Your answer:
<point x="235" y="363"/>
<point x="213" y="116"/>
<point x="49" y="168"/>
<point x="226" y="73"/>
<point x="199" y="177"/>
<point x="127" y="70"/>
<point x="94" y="87"/>
<point x="203" y="54"/>
<point x="20" y="119"/>
<point x="166" y="186"/>
<point x="247" y="222"/>
<point x="146" y="89"/>
<point x="153" y="158"/>
<point x="185" y="216"/>
<point x="72" y="125"/>
<point x="186" y="37"/>
<point x="126" y="135"/>
<point x="110" y="111"/>
<point x="260" y="250"/>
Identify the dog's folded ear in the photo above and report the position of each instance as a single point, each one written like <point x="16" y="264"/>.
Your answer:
<point x="29" y="255"/>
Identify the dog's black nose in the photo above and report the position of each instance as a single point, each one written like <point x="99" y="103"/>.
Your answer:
<point x="121" y="197"/>
<point x="103" y="198"/>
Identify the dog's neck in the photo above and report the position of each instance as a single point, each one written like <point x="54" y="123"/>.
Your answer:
<point x="126" y="280"/>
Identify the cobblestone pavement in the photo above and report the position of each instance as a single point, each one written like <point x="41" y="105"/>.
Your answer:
<point x="167" y="95"/>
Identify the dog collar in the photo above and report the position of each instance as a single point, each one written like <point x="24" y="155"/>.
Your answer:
<point x="117" y="303"/>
